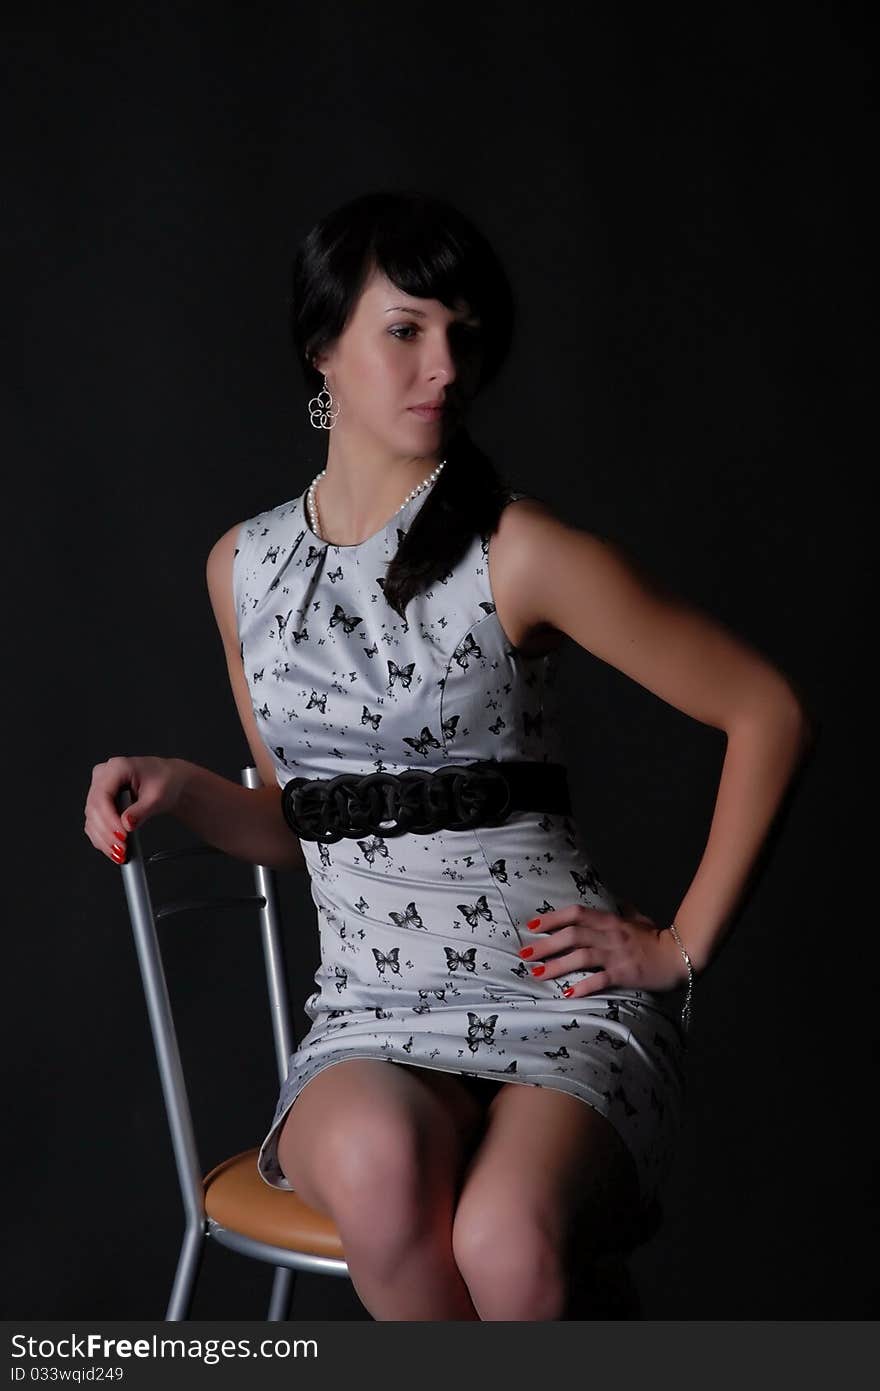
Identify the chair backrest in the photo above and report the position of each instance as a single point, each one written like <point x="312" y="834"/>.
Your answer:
<point x="144" y="919"/>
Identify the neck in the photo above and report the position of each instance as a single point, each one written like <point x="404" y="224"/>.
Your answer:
<point x="362" y="488"/>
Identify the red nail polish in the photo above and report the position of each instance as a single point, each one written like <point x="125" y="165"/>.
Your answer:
<point x="527" y="951"/>
<point x="534" y="922"/>
<point x="538" y="970"/>
<point x="569" y="990"/>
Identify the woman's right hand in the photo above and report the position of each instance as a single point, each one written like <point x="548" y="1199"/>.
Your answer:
<point x="155" y="783"/>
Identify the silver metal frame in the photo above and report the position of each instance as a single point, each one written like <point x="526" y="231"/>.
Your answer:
<point x="144" y="918"/>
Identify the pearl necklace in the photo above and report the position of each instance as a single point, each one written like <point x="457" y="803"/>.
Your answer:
<point x="312" y="505"/>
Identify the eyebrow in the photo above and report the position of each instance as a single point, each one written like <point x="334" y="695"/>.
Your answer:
<point x="408" y="309"/>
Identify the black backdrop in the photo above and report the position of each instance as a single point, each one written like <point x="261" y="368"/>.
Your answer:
<point x="679" y="205"/>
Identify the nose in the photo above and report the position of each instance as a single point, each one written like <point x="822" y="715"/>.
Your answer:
<point x="442" y="360"/>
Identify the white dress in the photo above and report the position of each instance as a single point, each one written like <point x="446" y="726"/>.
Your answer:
<point x="419" y="934"/>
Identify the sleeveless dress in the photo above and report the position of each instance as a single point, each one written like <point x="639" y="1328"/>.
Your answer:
<point x="419" y="934"/>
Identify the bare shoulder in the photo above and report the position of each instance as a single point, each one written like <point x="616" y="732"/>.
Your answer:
<point x="575" y="582"/>
<point x="524" y="529"/>
<point x="532" y="536"/>
<point x="522" y="519"/>
<point x="218" y="573"/>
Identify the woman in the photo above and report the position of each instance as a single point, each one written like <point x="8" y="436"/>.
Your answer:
<point x="406" y="613"/>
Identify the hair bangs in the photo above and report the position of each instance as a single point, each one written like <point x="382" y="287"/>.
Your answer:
<point x="424" y="245"/>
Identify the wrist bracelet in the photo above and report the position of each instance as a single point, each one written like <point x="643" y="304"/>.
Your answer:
<point x="686" y="1009"/>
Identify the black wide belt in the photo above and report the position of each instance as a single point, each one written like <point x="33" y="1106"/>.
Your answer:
<point x="454" y="797"/>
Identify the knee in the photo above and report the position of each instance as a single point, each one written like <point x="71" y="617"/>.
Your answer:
<point x="512" y="1260"/>
<point x="383" y="1188"/>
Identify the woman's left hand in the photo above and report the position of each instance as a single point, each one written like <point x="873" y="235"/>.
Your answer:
<point x="630" y="950"/>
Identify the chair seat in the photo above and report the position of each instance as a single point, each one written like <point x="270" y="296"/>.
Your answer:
<point x="239" y="1199"/>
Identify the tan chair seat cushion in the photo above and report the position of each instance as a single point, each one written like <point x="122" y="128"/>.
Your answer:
<point x="238" y="1198"/>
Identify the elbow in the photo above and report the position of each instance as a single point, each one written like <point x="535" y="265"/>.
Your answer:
<point x="799" y="716"/>
<point x="802" y="712"/>
<point x="783" y="706"/>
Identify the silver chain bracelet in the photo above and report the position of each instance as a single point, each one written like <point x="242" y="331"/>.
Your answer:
<point x="686" y="1008"/>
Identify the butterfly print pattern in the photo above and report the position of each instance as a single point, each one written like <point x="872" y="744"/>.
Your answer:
<point x="419" y="935"/>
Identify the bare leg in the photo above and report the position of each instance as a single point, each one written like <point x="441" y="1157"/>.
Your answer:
<point x="381" y="1147"/>
<point x="540" y="1198"/>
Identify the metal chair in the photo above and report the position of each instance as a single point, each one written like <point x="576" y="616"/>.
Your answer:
<point x="232" y="1204"/>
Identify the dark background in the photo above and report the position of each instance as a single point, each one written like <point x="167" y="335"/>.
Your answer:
<point x="679" y="202"/>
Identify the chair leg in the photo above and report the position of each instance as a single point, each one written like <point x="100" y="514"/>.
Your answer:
<point x="188" y="1266"/>
<point x="282" y="1293"/>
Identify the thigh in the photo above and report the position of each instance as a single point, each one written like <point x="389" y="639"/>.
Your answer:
<point x="554" y="1155"/>
<point x="347" y="1097"/>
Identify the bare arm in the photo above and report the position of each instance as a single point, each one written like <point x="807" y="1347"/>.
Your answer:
<point x="240" y="820"/>
<point x="762" y="756"/>
<point x="586" y="587"/>
<point x="247" y="823"/>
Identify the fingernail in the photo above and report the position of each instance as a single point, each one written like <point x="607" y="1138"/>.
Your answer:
<point x="527" y="951"/>
<point x="122" y="834"/>
<point x="538" y="970"/>
<point x="534" y="922"/>
<point x="569" y="990"/>
<point x="132" y="822"/>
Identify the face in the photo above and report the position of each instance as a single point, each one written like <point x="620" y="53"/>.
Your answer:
<point x="396" y="352"/>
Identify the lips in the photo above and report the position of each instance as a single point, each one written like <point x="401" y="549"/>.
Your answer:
<point x="428" y="412"/>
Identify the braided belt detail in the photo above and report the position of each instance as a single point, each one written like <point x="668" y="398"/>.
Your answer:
<point x="454" y="798"/>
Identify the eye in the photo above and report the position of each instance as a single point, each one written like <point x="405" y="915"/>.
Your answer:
<point x="468" y="335"/>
